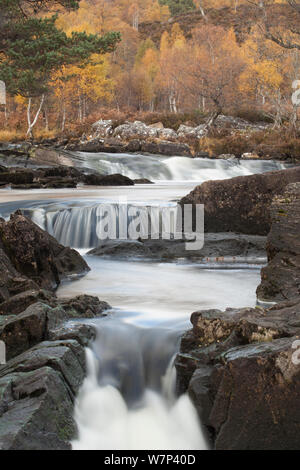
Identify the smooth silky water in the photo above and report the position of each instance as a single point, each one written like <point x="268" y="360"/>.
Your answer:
<point x="128" y="399"/>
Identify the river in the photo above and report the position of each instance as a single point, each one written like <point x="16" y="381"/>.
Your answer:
<point x="128" y="399"/>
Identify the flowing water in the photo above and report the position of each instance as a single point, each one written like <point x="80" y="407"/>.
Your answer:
<point x="128" y="399"/>
<point x="172" y="168"/>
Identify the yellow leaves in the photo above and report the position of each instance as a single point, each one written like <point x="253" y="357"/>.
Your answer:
<point x="268" y="73"/>
<point x="92" y="81"/>
<point x="20" y="100"/>
<point x="177" y="38"/>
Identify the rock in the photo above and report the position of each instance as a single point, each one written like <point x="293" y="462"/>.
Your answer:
<point x="239" y="357"/>
<point x="17" y="176"/>
<point x="133" y="146"/>
<point x="37" y="393"/>
<point x="192" y="132"/>
<point x="241" y="204"/>
<point x="19" y="302"/>
<point x="12" y="282"/>
<point x="166" y="148"/>
<point x="61" y="172"/>
<point x="102" y="128"/>
<point x="231" y="122"/>
<point x="37" y="255"/>
<point x="168" y="134"/>
<point x="49" y="157"/>
<point x="108" y="180"/>
<point x="45" y="352"/>
<point x="250" y="156"/>
<point x="218" y="248"/>
<point x="143" y="181"/>
<point x="116" y="180"/>
<point x="84" y="334"/>
<point x="111" y="145"/>
<point x="271" y="384"/>
<point x="135" y="130"/>
<point x="281" y="277"/>
<point x="93" y="180"/>
<point x="36" y="412"/>
<point x="31" y="327"/>
<point x="121" y="248"/>
<point x="84" y="306"/>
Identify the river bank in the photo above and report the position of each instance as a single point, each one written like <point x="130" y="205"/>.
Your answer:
<point x="229" y="138"/>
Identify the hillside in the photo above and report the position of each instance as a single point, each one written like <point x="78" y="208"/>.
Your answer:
<point x="245" y="17"/>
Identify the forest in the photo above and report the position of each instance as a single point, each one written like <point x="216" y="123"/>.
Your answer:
<point x="169" y="60"/>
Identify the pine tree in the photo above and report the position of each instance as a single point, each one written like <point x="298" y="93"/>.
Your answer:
<point x="37" y="49"/>
<point x="177" y="7"/>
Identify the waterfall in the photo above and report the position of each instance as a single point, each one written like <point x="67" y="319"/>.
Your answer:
<point x="174" y="168"/>
<point x="121" y="404"/>
<point x="80" y="225"/>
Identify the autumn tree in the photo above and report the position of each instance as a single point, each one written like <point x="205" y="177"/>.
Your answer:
<point x="211" y="67"/>
<point x="38" y="50"/>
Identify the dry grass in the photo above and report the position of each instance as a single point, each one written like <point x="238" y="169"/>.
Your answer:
<point x="11" y="136"/>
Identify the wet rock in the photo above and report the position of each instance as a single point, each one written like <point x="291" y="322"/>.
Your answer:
<point x="84" y="306"/>
<point x="241" y="204"/>
<point x="166" y="148"/>
<point x="17" y="177"/>
<point x="271" y="384"/>
<point x="239" y="357"/>
<point x="37" y="255"/>
<point x="82" y="333"/>
<point x="29" y="328"/>
<point x="45" y="353"/>
<point x="19" y="302"/>
<point x="12" y="282"/>
<point x="36" y="412"/>
<point x="121" y="248"/>
<point x="142" y="181"/>
<point x="281" y="277"/>
<point x="61" y="172"/>
<point x="115" y="180"/>
<point x="37" y="393"/>
<point x="133" y="146"/>
<point x="218" y="248"/>
<point x="107" y="180"/>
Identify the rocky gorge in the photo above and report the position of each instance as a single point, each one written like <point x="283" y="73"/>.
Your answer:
<point x="226" y="361"/>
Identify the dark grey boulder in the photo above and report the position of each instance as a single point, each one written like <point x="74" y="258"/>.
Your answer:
<point x="281" y="277"/>
<point x="239" y="371"/>
<point x="241" y="204"/>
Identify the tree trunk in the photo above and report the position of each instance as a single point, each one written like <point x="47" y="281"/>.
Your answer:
<point x="63" y="122"/>
<point x="31" y="124"/>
